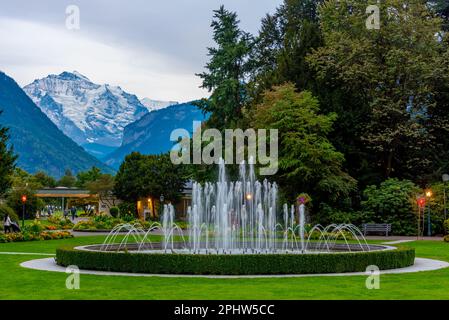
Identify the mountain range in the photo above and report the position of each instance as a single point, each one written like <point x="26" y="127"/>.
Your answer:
<point x="41" y="146"/>
<point x="66" y="121"/>
<point x="92" y="115"/>
<point x="151" y="134"/>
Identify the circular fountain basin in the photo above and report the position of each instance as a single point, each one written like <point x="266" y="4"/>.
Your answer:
<point x="181" y="261"/>
<point x="178" y="248"/>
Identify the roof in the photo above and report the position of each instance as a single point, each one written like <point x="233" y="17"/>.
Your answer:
<point x="63" y="193"/>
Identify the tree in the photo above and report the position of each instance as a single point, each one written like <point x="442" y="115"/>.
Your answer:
<point x="7" y="161"/>
<point x="227" y="70"/>
<point x="281" y="47"/>
<point x="442" y="8"/>
<point x="68" y="180"/>
<point x="308" y="162"/>
<point x="83" y="178"/>
<point x="142" y="176"/>
<point x="391" y="73"/>
<point x="24" y="184"/>
<point x="103" y="186"/>
<point x="45" y="180"/>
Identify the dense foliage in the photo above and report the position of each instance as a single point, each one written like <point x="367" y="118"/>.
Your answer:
<point x="394" y="202"/>
<point x="308" y="162"/>
<point x="142" y="176"/>
<point x="7" y="160"/>
<point x="351" y="103"/>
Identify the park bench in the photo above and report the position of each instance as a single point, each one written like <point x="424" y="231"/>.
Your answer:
<point x="376" y="228"/>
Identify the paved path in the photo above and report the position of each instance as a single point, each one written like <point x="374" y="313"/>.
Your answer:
<point x="27" y="254"/>
<point x="397" y="241"/>
<point x="420" y="265"/>
<point x="395" y="238"/>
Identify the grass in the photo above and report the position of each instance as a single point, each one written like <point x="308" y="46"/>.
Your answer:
<point x="19" y="283"/>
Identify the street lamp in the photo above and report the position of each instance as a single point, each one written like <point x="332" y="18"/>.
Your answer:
<point x="421" y="206"/>
<point x="429" y="226"/>
<point x="445" y="178"/>
<point x="24" y="201"/>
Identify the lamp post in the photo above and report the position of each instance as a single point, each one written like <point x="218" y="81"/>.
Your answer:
<point x="24" y="201"/>
<point x="445" y="178"/>
<point x="429" y="225"/>
<point x="421" y="206"/>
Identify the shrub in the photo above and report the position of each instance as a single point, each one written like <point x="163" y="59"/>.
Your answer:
<point x="59" y="223"/>
<point x="128" y="218"/>
<point x="35" y="228"/>
<point x="328" y="215"/>
<point x="115" y="212"/>
<point x="127" y="208"/>
<point x="27" y="236"/>
<point x="446" y="238"/>
<point x="392" y="202"/>
<point x="235" y="264"/>
<point x="4" y="209"/>
<point x="101" y="222"/>
<point x="446" y="227"/>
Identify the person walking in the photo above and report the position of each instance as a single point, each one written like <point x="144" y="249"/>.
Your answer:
<point x="7" y="223"/>
<point x="73" y="211"/>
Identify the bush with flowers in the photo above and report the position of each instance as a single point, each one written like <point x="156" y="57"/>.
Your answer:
<point x="29" y="236"/>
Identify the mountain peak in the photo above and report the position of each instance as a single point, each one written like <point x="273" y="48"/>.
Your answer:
<point x="71" y="76"/>
<point x="85" y="111"/>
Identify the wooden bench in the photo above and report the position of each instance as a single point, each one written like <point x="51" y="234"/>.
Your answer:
<point x="377" y="228"/>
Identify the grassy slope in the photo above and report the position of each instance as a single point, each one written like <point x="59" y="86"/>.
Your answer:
<point x="19" y="283"/>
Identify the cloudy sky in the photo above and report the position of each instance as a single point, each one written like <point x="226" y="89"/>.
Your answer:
<point x="149" y="48"/>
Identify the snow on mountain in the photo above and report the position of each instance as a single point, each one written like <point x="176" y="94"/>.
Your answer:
<point x="153" y="105"/>
<point x="93" y="115"/>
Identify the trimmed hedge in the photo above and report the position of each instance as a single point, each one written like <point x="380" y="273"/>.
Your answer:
<point x="235" y="264"/>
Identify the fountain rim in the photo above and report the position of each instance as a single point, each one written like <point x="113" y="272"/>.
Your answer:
<point x="97" y="248"/>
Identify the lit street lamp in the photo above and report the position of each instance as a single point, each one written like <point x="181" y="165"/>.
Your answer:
<point x="421" y="206"/>
<point x="24" y="201"/>
<point x="429" y="226"/>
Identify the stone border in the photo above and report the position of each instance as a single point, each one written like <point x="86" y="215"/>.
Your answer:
<point x="421" y="265"/>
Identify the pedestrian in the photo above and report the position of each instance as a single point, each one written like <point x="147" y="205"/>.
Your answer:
<point x="66" y="213"/>
<point x="7" y="223"/>
<point x="73" y="211"/>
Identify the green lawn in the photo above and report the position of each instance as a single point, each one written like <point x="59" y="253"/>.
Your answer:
<point x="20" y="283"/>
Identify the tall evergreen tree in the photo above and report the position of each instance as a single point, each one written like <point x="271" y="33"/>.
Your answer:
<point x="227" y="70"/>
<point x="285" y="39"/>
<point x="7" y="161"/>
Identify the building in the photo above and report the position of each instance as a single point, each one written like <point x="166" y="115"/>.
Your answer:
<point x="150" y="208"/>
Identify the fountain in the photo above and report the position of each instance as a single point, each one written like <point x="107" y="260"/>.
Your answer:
<point x="239" y="218"/>
<point x="236" y="228"/>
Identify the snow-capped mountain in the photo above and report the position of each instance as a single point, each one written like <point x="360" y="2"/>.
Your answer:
<point x="93" y="115"/>
<point x="154" y="105"/>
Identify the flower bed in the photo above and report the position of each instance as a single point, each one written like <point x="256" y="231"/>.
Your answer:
<point x="57" y="223"/>
<point x="29" y="236"/>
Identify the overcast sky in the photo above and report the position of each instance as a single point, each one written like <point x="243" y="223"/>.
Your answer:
<point x="149" y="48"/>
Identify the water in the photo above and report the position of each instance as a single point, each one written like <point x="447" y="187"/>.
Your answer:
<point x="239" y="217"/>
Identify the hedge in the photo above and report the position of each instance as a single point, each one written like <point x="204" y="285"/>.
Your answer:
<point x="160" y="263"/>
